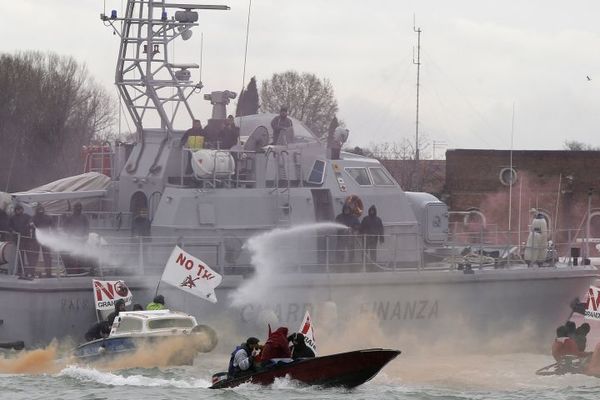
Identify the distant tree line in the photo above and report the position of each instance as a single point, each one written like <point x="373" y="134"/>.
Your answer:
<point x="50" y="107"/>
<point x="574" y="145"/>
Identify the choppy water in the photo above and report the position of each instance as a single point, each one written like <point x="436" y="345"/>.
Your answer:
<point x="408" y="377"/>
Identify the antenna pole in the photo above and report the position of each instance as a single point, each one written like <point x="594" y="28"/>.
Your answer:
<point x="418" y="64"/>
<point x="201" y="54"/>
<point x="512" y="177"/>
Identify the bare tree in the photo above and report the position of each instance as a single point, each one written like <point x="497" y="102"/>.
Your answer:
<point x="308" y="98"/>
<point x="574" y="145"/>
<point x="50" y="107"/>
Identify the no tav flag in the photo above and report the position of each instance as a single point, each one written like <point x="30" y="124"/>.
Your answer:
<point x="592" y="304"/>
<point x="192" y="275"/>
<point x="306" y="328"/>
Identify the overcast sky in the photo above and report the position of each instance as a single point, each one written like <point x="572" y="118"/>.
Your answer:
<point x="479" y="57"/>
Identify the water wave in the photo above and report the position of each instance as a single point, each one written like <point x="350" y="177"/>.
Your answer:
<point x="90" y="375"/>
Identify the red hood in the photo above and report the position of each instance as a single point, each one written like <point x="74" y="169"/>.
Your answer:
<point x="281" y="331"/>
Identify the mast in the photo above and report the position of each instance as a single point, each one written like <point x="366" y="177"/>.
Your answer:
<point x="145" y="77"/>
<point x="418" y="64"/>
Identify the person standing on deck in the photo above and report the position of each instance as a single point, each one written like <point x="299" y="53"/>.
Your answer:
<point x="372" y="227"/>
<point x="20" y="224"/>
<point x="280" y="123"/>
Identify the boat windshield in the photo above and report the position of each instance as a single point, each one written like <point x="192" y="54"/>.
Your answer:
<point x="128" y="325"/>
<point x="166" y="323"/>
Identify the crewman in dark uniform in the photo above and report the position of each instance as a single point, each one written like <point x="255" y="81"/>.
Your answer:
<point x="280" y="123"/>
<point x="20" y="224"/>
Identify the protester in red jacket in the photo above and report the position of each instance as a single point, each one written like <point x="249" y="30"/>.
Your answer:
<point x="276" y="345"/>
<point x="564" y="345"/>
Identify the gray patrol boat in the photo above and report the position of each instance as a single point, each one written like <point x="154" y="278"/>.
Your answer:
<point x="273" y="193"/>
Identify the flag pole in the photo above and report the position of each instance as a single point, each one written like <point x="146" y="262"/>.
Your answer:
<point x="157" y="286"/>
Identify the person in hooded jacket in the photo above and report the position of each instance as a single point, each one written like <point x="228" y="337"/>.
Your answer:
<point x="119" y="306"/>
<point x="345" y="239"/>
<point x="276" y="346"/>
<point x="98" y="331"/>
<point x="372" y="227"/>
<point x="158" y="303"/>
<point x="20" y="224"/>
<point x="299" y="347"/>
<point x="564" y="345"/>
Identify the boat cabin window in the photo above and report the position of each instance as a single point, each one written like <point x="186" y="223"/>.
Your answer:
<point x="127" y="325"/>
<point x="170" y="323"/>
<point x="360" y="175"/>
<point x="380" y="177"/>
<point x="317" y="173"/>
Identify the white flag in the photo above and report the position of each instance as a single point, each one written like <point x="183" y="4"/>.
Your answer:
<point x="306" y="328"/>
<point x="592" y="304"/>
<point x="107" y="292"/>
<point x="192" y="275"/>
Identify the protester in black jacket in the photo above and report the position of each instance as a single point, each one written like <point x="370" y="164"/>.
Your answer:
<point x="119" y="306"/>
<point x="20" y="225"/>
<point x="98" y="331"/>
<point x="372" y="227"/>
<point x="300" y="349"/>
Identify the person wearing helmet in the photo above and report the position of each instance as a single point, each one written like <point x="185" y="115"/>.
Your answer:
<point x="157" y="304"/>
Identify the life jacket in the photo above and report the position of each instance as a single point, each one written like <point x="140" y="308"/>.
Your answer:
<point x="155" y="306"/>
<point x="233" y="370"/>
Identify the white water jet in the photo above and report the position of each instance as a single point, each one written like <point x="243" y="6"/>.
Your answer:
<point x="273" y="251"/>
<point x="91" y="249"/>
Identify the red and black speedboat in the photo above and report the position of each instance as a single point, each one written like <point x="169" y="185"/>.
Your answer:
<point x="343" y="369"/>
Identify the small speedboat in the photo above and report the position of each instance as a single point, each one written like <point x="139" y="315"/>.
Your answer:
<point x="343" y="369"/>
<point x="133" y="331"/>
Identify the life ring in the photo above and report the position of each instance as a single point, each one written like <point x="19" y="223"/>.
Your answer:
<point x="355" y="204"/>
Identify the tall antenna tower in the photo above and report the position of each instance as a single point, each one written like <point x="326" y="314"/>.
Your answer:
<point x="417" y="62"/>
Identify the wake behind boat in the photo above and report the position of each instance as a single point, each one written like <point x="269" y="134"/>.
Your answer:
<point x="135" y="331"/>
<point x="348" y="370"/>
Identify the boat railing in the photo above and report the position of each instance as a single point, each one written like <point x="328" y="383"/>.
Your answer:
<point x="325" y="252"/>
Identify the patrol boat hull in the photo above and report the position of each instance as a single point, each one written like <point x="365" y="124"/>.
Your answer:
<point x="425" y="303"/>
